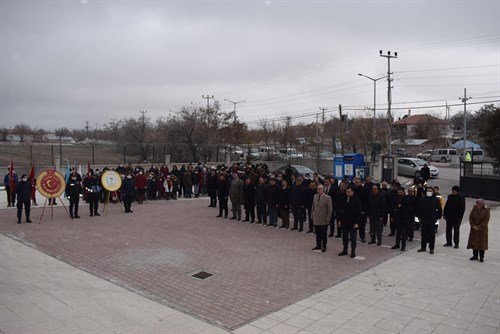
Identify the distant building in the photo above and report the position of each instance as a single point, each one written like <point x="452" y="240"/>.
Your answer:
<point x="421" y="126"/>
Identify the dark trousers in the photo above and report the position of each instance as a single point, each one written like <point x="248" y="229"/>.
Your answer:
<point x="480" y="252"/>
<point x="428" y="235"/>
<point x="321" y="235"/>
<point x="273" y="215"/>
<point x="27" y="205"/>
<point x="392" y="225"/>
<point x="223" y="206"/>
<point x="285" y="217"/>
<point x="362" y="226"/>
<point x="333" y="223"/>
<point x="261" y="212"/>
<point x="213" y="198"/>
<point x="93" y="200"/>
<point x="376" y="228"/>
<point x="401" y="234"/>
<point x="73" y="205"/>
<point x="310" y="219"/>
<point x="453" y="228"/>
<point x="298" y="217"/>
<point x="127" y="202"/>
<point x="410" y="232"/>
<point x="11" y="198"/>
<point x="249" y="211"/>
<point x="349" y="234"/>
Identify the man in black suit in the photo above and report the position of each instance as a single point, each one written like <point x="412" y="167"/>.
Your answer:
<point x="351" y="212"/>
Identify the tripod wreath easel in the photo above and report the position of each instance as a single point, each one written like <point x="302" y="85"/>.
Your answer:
<point x="51" y="185"/>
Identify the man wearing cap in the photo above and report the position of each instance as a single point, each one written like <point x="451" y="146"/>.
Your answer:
<point x="23" y="192"/>
<point x="454" y="210"/>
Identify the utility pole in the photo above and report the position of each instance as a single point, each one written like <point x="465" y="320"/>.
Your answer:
<point x="234" y="103"/>
<point x="464" y="101"/>
<point x="323" y="128"/>
<point x="87" y="127"/>
<point x="341" y="129"/>
<point x="143" y="118"/>
<point x="209" y="137"/>
<point x="389" y="94"/>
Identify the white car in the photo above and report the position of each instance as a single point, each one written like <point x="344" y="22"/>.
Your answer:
<point x="424" y="155"/>
<point x="413" y="166"/>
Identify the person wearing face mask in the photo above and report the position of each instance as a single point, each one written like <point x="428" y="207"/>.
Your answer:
<point x="128" y="192"/>
<point x="73" y="189"/>
<point x="429" y="210"/>
<point x="23" y="192"/>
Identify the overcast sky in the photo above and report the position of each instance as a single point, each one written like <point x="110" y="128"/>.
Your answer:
<point x="67" y="62"/>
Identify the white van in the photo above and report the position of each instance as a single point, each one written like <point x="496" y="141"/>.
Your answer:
<point x="476" y="154"/>
<point x="443" y="154"/>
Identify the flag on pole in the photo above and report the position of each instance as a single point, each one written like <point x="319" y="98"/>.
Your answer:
<point x="32" y="173"/>
<point x="11" y="177"/>
<point x="66" y="177"/>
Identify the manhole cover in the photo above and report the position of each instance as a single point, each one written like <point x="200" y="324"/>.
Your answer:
<point x="202" y="275"/>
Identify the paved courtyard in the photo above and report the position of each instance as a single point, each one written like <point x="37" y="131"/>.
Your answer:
<point x="265" y="280"/>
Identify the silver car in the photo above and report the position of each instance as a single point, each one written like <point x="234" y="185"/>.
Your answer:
<point x="413" y="166"/>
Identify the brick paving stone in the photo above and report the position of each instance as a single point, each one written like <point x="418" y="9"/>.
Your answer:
<point x="153" y="251"/>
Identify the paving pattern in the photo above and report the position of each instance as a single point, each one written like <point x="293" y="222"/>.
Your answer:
<point x="155" y="250"/>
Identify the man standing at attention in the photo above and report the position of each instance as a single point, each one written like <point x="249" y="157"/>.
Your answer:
<point x="236" y="196"/>
<point x="454" y="210"/>
<point x="351" y="213"/>
<point x="321" y="213"/>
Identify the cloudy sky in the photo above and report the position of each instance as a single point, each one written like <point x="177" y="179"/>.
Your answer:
<point x="67" y="62"/>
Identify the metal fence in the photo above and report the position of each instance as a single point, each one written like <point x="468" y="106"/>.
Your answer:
<point x="480" y="180"/>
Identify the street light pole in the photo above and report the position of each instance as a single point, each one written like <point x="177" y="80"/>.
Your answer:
<point x="464" y="101"/>
<point x="389" y="93"/>
<point x="234" y="103"/>
<point x="374" y="98"/>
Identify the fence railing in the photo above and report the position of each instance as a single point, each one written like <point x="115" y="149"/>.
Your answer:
<point x="480" y="180"/>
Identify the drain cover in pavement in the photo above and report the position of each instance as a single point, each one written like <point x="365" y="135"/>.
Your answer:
<point x="202" y="275"/>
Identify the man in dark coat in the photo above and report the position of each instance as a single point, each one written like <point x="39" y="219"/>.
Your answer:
<point x="260" y="200"/>
<point x="249" y="200"/>
<point x="236" y="196"/>
<point x="362" y="195"/>
<point x="350" y="215"/>
<point x="73" y="189"/>
<point x="23" y="192"/>
<point x="425" y="173"/>
<point x="400" y="214"/>
<point x="222" y="195"/>
<point x="284" y="197"/>
<point x="376" y="211"/>
<point x="93" y="188"/>
<point x="454" y="210"/>
<point x="429" y="211"/>
<point x="212" y="188"/>
<point x="272" y="197"/>
<point x="298" y="200"/>
<point x="128" y="192"/>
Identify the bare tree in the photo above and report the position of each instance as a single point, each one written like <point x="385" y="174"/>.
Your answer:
<point x="22" y="130"/>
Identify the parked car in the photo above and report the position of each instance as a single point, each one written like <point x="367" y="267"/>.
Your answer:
<point x="290" y="153"/>
<point x="443" y="154"/>
<point x="325" y="154"/>
<point x="402" y="152"/>
<point x="424" y="155"/>
<point x="299" y="170"/>
<point x="270" y="154"/>
<point x="413" y="166"/>
<point x="254" y="154"/>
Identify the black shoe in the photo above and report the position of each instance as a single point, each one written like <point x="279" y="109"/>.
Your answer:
<point x="77" y="216"/>
<point x="309" y="231"/>
<point x="282" y="226"/>
<point x="431" y="251"/>
<point x="481" y="260"/>
<point x="447" y="245"/>
<point x="371" y="242"/>
<point x="456" y="246"/>
<point x="96" y="214"/>
<point x="403" y="249"/>
<point x="29" y="221"/>
<point x="130" y="211"/>
<point x="342" y="253"/>
<point x="225" y="217"/>
<point x="91" y="215"/>
<point x="258" y="222"/>
<point x="71" y="216"/>
<point x="421" y="250"/>
<point x="323" y="249"/>
<point x="218" y="216"/>
<point x="353" y="255"/>
<point x="316" y="248"/>
<point x="330" y="235"/>
<point x="474" y="258"/>
<point x="294" y="229"/>
<point x="338" y="236"/>
<point x="411" y="239"/>
<point x="19" y="222"/>
<point x="269" y="224"/>
<point x="391" y="235"/>
<point x="379" y="243"/>
<point x="363" y="241"/>
<point x="395" y="247"/>
<point x="300" y="230"/>
<point x="232" y="218"/>
<point x="252" y="222"/>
